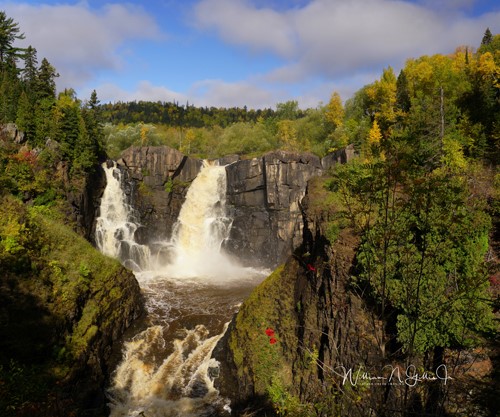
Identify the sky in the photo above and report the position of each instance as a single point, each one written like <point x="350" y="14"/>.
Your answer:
<point x="227" y="53"/>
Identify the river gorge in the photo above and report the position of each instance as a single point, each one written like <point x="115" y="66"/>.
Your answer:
<point x="196" y="268"/>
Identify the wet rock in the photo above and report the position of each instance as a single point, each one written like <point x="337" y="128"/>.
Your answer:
<point x="263" y="196"/>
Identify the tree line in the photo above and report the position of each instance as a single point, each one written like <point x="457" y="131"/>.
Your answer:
<point x="28" y="98"/>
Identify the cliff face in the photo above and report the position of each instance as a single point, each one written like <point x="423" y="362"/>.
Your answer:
<point x="307" y="341"/>
<point x="157" y="178"/>
<point x="263" y="197"/>
<point x="318" y="325"/>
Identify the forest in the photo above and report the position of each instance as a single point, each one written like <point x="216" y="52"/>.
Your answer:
<point x="423" y="194"/>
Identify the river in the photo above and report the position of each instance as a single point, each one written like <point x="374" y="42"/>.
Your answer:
<point x="192" y="290"/>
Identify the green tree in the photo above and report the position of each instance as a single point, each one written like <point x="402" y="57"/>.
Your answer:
<point x="288" y="110"/>
<point x="9" y="33"/>
<point x="403" y="101"/>
<point x="46" y="84"/>
<point x="24" y="116"/>
<point x="487" y="38"/>
<point x="10" y="89"/>
<point x="30" y="70"/>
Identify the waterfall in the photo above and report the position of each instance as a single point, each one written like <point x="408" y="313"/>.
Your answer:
<point x="167" y="368"/>
<point x="179" y="386"/>
<point x="201" y="228"/>
<point x="116" y="226"/>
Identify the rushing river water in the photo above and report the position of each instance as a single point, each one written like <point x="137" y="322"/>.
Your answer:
<point x="191" y="289"/>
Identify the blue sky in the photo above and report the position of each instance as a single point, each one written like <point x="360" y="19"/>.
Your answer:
<point x="241" y="52"/>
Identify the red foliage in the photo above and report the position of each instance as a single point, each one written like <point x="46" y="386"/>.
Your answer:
<point x="272" y="340"/>
<point x="270" y="332"/>
<point x="311" y="268"/>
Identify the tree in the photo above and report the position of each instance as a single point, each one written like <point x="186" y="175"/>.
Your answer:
<point x="287" y="135"/>
<point x="288" y="110"/>
<point x="9" y="33"/>
<point x="46" y="84"/>
<point x="382" y="100"/>
<point x="487" y="38"/>
<point x="403" y="101"/>
<point x="334" y="113"/>
<point x="9" y="92"/>
<point x="24" y="116"/>
<point x="30" y="70"/>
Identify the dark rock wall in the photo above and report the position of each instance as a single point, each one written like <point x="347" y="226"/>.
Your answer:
<point x="263" y="197"/>
<point x="158" y="178"/>
<point x="319" y="325"/>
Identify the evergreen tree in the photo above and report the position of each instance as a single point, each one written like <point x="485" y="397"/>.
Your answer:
<point x="9" y="33"/>
<point x="9" y="92"/>
<point x="403" y="101"/>
<point x="30" y="70"/>
<point x="46" y="84"/>
<point x="487" y="38"/>
<point x="24" y="116"/>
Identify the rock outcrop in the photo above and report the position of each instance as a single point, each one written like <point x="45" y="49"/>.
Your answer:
<point x="317" y="325"/>
<point x="263" y="198"/>
<point x="10" y="132"/>
<point x="158" y="178"/>
<point x="63" y="306"/>
<point x="308" y="341"/>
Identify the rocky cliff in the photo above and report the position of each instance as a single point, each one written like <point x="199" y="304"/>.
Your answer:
<point x="308" y="342"/>
<point x="298" y="325"/>
<point x="157" y="178"/>
<point x="263" y="196"/>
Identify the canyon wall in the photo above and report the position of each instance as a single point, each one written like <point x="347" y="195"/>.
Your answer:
<point x="263" y="196"/>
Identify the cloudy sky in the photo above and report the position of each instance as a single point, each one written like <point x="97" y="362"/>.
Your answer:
<point x="241" y="52"/>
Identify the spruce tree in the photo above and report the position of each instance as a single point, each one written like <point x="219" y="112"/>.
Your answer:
<point x="46" y="84"/>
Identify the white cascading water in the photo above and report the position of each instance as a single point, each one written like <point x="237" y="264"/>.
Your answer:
<point x="192" y="290"/>
<point x="115" y="227"/>
<point x="201" y="228"/>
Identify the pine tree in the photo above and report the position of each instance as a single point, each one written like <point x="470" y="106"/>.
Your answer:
<point x="30" y="70"/>
<point x="403" y="101"/>
<point x="9" y="33"/>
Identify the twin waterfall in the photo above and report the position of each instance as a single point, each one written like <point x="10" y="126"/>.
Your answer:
<point x="191" y="289"/>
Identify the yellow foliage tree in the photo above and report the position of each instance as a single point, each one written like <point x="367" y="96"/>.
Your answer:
<point x="144" y="134"/>
<point x="335" y="111"/>
<point x="382" y="99"/>
<point x="373" y="142"/>
<point x="287" y="135"/>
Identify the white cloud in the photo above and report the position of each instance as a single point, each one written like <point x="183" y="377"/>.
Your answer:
<point x="203" y="93"/>
<point x="238" y="23"/>
<point x="219" y="93"/>
<point x="144" y="91"/>
<point x="332" y="38"/>
<point x="80" y="41"/>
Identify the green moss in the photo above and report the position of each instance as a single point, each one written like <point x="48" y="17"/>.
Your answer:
<point x="270" y="305"/>
<point x="62" y="293"/>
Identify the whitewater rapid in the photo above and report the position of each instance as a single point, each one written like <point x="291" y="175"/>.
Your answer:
<point x="192" y="290"/>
